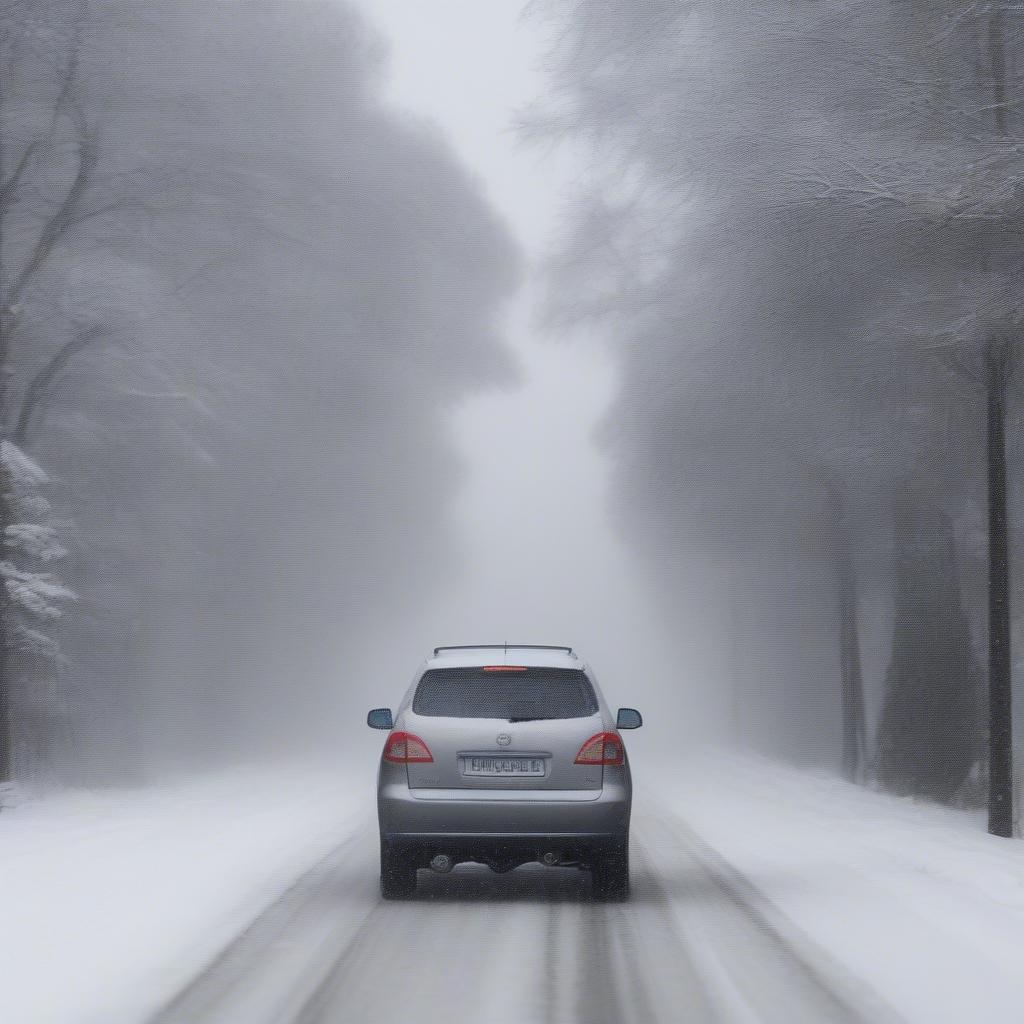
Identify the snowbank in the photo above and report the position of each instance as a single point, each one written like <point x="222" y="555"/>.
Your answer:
<point x="112" y="901"/>
<point x="915" y="899"/>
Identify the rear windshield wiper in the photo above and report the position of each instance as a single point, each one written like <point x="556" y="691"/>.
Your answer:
<point x="531" y="718"/>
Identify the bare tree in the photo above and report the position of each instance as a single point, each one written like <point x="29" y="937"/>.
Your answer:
<point x="851" y="677"/>
<point x="47" y="171"/>
<point x="837" y="187"/>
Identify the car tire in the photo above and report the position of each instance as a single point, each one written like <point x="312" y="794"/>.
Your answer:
<point x="397" y="872"/>
<point x="610" y="872"/>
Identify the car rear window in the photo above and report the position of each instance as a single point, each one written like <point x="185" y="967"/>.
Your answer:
<point x="533" y="693"/>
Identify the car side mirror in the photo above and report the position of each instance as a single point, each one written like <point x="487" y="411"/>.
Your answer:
<point x="380" y="718"/>
<point x="628" y="718"/>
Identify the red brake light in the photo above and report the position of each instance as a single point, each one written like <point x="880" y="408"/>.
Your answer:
<point x="405" y="748"/>
<point x="504" y="668"/>
<point x="603" y="748"/>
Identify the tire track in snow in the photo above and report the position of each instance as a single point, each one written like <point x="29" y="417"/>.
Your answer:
<point x="597" y="995"/>
<point x="759" y="965"/>
<point x="280" y="952"/>
<point x="528" y="947"/>
<point x="656" y="963"/>
<point x="465" y="948"/>
<point x="551" y="995"/>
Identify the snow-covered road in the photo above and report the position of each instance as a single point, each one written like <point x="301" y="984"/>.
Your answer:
<point x="529" y="947"/>
<point x="761" y="893"/>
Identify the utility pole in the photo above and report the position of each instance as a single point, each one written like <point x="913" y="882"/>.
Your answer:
<point x="1000" y="687"/>
<point x="998" y="363"/>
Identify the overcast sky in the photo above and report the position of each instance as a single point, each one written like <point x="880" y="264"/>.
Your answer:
<point x="541" y="563"/>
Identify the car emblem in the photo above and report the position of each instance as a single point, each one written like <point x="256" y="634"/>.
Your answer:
<point x="504" y="739"/>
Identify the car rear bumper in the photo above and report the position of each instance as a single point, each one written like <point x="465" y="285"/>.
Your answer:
<point x="428" y="815"/>
<point x="504" y="852"/>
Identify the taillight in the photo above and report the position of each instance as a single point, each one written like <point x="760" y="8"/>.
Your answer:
<point x="405" y="748"/>
<point x="604" y="748"/>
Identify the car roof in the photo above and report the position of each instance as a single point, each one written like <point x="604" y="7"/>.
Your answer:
<point x="534" y="657"/>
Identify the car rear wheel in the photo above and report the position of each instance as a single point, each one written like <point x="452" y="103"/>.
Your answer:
<point x="397" y="872"/>
<point x="610" y="872"/>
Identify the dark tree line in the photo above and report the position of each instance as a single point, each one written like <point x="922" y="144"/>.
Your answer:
<point x="803" y="228"/>
<point x="237" y="296"/>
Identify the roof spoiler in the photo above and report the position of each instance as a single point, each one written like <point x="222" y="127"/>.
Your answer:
<point x="499" y="647"/>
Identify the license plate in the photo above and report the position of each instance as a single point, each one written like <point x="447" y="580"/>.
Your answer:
<point x="503" y="766"/>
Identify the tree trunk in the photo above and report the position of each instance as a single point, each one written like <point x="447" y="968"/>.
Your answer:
<point x="6" y="725"/>
<point x="6" y="732"/>
<point x="6" y="696"/>
<point x="851" y="680"/>
<point x="851" y="677"/>
<point x="1000" y="804"/>
<point x="931" y="731"/>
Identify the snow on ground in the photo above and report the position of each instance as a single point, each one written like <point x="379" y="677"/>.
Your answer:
<point x="112" y="901"/>
<point x="916" y="900"/>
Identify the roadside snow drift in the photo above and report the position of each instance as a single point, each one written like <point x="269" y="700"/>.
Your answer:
<point x="113" y="901"/>
<point x="916" y="900"/>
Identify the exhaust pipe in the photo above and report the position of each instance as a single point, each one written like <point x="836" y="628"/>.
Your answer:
<point x="442" y="863"/>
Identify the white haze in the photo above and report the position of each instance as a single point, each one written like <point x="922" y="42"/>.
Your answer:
<point x="344" y="408"/>
<point x="278" y="289"/>
<point x="333" y="330"/>
<point x="539" y="559"/>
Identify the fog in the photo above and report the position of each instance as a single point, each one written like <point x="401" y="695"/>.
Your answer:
<point x="796" y="224"/>
<point x="286" y="288"/>
<point x="275" y="362"/>
<point x="336" y="332"/>
<point x="682" y="332"/>
<point x="540" y="559"/>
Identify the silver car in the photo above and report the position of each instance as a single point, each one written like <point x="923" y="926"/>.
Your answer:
<point x="504" y="755"/>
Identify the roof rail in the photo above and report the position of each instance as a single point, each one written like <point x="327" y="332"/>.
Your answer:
<point x="499" y="647"/>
